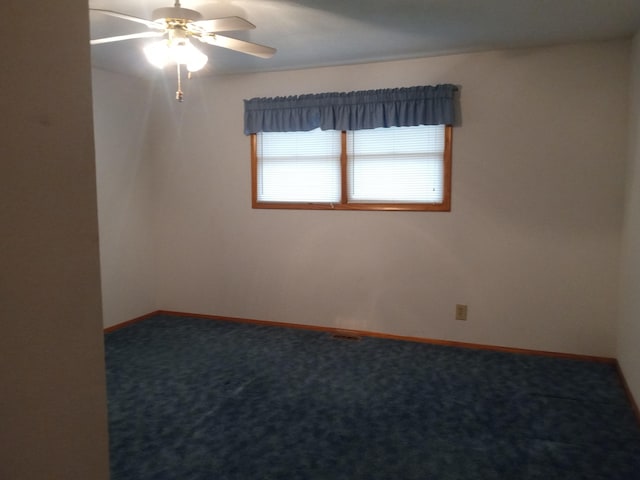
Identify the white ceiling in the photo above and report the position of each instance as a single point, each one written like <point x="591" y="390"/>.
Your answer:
<point x="309" y="33"/>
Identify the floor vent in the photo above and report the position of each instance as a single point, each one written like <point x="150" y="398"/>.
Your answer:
<point x="342" y="335"/>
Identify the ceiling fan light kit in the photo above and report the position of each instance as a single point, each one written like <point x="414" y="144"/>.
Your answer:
<point x="180" y="25"/>
<point x="176" y="49"/>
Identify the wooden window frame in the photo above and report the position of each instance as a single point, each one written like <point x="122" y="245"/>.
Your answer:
<point x="444" y="206"/>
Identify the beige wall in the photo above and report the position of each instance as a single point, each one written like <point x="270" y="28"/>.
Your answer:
<point x="52" y="401"/>
<point x="629" y="327"/>
<point x="125" y="202"/>
<point x="532" y="243"/>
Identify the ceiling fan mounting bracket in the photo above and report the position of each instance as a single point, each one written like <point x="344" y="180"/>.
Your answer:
<point x="178" y="14"/>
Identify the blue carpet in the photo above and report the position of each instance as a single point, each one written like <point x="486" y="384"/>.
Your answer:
<point x="195" y="399"/>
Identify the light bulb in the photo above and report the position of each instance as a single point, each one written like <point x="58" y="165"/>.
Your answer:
<point x="157" y="53"/>
<point x="197" y="60"/>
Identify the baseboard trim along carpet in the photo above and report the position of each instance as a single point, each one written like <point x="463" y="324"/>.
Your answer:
<point x="364" y="333"/>
<point x="355" y="334"/>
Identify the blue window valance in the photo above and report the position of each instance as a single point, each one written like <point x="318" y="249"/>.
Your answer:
<point x="392" y="107"/>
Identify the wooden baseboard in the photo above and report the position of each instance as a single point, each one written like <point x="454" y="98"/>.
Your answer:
<point x="364" y="333"/>
<point x="118" y="326"/>
<point x="341" y="332"/>
<point x="627" y="391"/>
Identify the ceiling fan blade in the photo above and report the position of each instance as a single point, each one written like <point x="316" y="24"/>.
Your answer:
<point x="131" y="18"/>
<point x="238" y="45"/>
<point x="225" y="24"/>
<point x="98" y="41"/>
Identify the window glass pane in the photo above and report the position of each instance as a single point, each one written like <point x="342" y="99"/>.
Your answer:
<point x="298" y="166"/>
<point x="396" y="165"/>
<point x="394" y="180"/>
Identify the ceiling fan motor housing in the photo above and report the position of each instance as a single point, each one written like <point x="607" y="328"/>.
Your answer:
<point x="175" y="13"/>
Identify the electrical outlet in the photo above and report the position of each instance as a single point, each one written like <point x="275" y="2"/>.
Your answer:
<point x="461" y="312"/>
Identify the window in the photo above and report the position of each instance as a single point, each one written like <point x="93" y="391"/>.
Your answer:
<point x="395" y="168"/>
<point x="299" y="166"/>
<point x="384" y="149"/>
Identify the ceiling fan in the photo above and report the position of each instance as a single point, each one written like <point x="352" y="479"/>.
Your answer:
<point x="178" y="25"/>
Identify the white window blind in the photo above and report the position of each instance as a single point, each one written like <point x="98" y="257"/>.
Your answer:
<point x="396" y="165"/>
<point x="298" y="166"/>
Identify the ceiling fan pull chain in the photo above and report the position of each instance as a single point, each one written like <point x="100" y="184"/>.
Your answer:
<point x="179" y="94"/>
